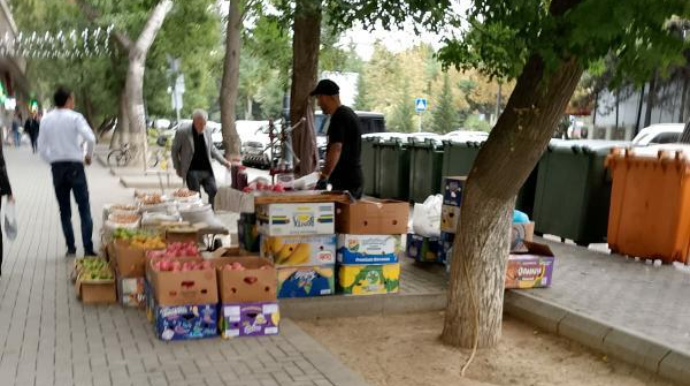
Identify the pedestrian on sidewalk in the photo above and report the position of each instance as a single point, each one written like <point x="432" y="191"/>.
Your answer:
<point x="16" y="127"/>
<point x="5" y="190"/>
<point x="31" y="127"/>
<point x="64" y="133"/>
<point x="191" y="153"/>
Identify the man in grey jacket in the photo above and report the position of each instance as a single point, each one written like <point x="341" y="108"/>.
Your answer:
<point x="192" y="151"/>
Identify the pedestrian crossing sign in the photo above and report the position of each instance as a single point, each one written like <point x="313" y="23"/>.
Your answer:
<point x="420" y="104"/>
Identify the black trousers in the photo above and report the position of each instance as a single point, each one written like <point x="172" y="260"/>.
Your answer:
<point x="198" y="178"/>
<point x="69" y="178"/>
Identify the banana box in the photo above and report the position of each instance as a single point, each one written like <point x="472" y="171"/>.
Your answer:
<point x="297" y="251"/>
<point x="298" y="282"/>
<point x="296" y="219"/>
<point x="249" y="319"/>
<point x="423" y="249"/>
<point x="532" y="269"/>
<point x="369" y="279"/>
<point x="368" y="249"/>
<point x="450" y="217"/>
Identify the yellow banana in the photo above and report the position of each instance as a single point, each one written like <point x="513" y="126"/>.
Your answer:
<point x="300" y="255"/>
<point x="275" y="244"/>
<point x="285" y="252"/>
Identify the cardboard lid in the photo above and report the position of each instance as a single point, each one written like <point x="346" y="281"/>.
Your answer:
<point x="535" y="249"/>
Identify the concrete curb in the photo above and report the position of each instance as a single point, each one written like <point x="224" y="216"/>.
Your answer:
<point x="614" y="341"/>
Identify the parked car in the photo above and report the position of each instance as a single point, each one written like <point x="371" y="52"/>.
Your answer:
<point x="466" y="135"/>
<point x="370" y="122"/>
<point x="659" y="134"/>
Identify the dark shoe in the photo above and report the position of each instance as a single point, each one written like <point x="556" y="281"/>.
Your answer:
<point x="90" y="254"/>
<point x="71" y="254"/>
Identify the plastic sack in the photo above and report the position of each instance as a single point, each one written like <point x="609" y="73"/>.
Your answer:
<point x="307" y="182"/>
<point x="520" y="217"/>
<point x="426" y="218"/>
<point x="10" y="221"/>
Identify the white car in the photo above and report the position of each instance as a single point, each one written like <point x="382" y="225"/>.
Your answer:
<point x="466" y="135"/>
<point x="659" y="134"/>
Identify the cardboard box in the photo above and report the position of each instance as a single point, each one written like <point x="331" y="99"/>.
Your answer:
<point x="520" y="233"/>
<point x="182" y="288"/>
<point x="445" y="251"/>
<point x="532" y="269"/>
<point x="248" y="233"/>
<point x="296" y="282"/>
<point x="131" y="292"/>
<point x="296" y="251"/>
<point x="450" y="218"/>
<point x="130" y="262"/>
<point x="423" y="249"/>
<point x="368" y="249"/>
<point x="296" y="219"/>
<point x="372" y="216"/>
<point x="185" y="322"/>
<point x="249" y="286"/>
<point x="452" y="190"/>
<point x="249" y="319"/>
<point x="369" y="279"/>
<point x="101" y="292"/>
<point x="182" y="235"/>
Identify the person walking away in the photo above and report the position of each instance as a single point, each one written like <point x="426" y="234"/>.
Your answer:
<point x="64" y="134"/>
<point x="5" y="190"/>
<point x="191" y="153"/>
<point x="16" y="127"/>
<point x="31" y="127"/>
<point x="343" y="166"/>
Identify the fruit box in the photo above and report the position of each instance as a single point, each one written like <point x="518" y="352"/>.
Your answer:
<point x="182" y="235"/>
<point x="131" y="292"/>
<point x="297" y="282"/>
<point x="532" y="269"/>
<point x="180" y="288"/>
<point x="372" y="216"/>
<point x="248" y="286"/>
<point x="130" y="261"/>
<point x="249" y="319"/>
<point x="368" y="249"/>
<point x="96" y="292"/>
<point x="185" y="322"/>
<point x="296" y="219"/>
<point x="248" y="232"/>
<point x="369" y="279"/>
<point x="520" y="233"/>
<point x="423" y="249"/>
<point x="294" y="251"/>
<point x="452" y="190"/>
<point x="450" y="217"/>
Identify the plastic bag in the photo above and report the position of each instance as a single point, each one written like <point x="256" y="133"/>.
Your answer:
<point x="10" y="221"/>
<point x="307" y="182"/>
<point x="426" y="218"/>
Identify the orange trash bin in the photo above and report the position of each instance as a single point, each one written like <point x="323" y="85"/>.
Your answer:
<point x="649" y="215"/>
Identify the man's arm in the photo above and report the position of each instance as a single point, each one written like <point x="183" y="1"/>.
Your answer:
<point x="85" y="131"/>
<point x="215" y="153"/>
<point x="43" y="146"/>
<point x="175" y="152"/>
<point x="332" y="158"/>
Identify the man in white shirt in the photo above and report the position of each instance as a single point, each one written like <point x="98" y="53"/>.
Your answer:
<point x="64" y="133"/>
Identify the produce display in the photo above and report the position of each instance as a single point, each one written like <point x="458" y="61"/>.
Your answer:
<point x="147" y="242"/>
<point x="130" y="234"/>
<point x="93" y="269"/>
<point x="175" y="250"/>
<point x="123" y="208"/>
<point x="151" y="199"/>
<point x="261" y="186"/>
<point x="184" y="193"/>
<point x="237" y="266"/>
<point x="123" y="218"/>
<point x="167" y="265"/>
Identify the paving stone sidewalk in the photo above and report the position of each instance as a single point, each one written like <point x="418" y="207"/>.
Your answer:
<point x="48" y="338"/>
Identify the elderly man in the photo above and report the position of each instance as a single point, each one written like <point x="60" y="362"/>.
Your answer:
<point x="191" y="151"/>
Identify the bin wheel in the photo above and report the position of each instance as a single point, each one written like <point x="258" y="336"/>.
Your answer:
<point x="582" y="244"/>
<point x="539" y="234"/>
<point x="562" y="239"/>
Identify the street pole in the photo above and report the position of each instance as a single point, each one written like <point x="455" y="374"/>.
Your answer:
<point x="421" y="114"/>
<point x="498" y="102"/>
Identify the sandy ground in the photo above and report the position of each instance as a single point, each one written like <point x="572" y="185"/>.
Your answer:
<point x="404" y="350"/>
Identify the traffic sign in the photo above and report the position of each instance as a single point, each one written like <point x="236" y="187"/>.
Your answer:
<point x="420" y="104"/>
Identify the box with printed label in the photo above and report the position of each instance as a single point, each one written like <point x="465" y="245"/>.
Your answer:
<point x="177" y="288"/>
<point x="450" y="217"/>
<point x="532" y="269"/>
<point x="445" y="251"/>
<point x="249" y="319"/>
<point x="248" y="233"/>
<point x="245" y="279"/>
<point x="520" y="233"/>
<point x="297" y="282"/>
<point x="131" y="292"/>
<point x="296" y="219"/>
<point x="452" y="190"/>
<point x="185" y="322"/>
<point x="298" y="251"/>
<point x="423" y="249"/>
<point x="369" y="279"/>
<point x="368" y="249"/>
<point x="371" y="216"/>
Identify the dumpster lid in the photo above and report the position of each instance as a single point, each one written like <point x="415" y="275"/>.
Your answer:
<point x="587" y="145"/>
<point x="683" y="150"/>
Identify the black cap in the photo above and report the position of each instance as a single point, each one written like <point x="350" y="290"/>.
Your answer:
<point x="326" y="87"/>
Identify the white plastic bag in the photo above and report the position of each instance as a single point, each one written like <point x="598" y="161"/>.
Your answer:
<point x="426" y="218"/>
<point x="10" y="221"/>
<point x="307" y="182"/>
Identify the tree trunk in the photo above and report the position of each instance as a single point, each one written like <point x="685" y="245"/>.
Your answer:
<point x="249" y="114"/>
<point x="618" y="105"/>
<point x="651" y="101"/>
<point x="305" y="64"/>
<point x="638" y="120"/>
<point x="684" y="99"/>
<point x="231" y="80"/>
<point x="480" y="252"/>
<point x="121" y="132"/>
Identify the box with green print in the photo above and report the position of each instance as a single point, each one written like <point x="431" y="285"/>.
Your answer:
<point x="369" y="279"/>
<point x="296" y="219"/>
<point x="368" y="249"/>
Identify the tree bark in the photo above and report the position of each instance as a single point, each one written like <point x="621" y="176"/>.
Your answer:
<point x="638" y="120"/>
<point x="231" y="79"/>
<point x="684" y="99"/>
<point x="480" y="252"/>
<point x="121" y="132"/>
<point x="651" y="100"/>
<point x="305" y="64"/>
<point x="250" y="102"/>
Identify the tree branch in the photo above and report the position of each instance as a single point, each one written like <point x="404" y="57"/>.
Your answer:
<point x="92" y="14"/>
<point x="153" y="25"/>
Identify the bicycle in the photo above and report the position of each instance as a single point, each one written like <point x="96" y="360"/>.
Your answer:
<point x="125" y="154"/>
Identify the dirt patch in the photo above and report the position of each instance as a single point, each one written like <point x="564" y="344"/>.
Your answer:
<point x="404" y="350"/>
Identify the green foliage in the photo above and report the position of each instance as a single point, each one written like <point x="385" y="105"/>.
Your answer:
<point x="402" y="119"/>
<point x="363" y="99"/>
<point x="474" y="123"/>
<point x="444" y="115"/>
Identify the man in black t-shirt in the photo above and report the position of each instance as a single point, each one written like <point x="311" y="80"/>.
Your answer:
<point x="343" y="167"/>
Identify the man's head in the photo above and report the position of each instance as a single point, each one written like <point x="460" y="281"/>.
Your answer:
<point x="327" y="94"/>
<point x="199" y="119"/>
<point x="63" y="98"/>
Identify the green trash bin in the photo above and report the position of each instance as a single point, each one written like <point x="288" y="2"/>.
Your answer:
<point x="426" y="162"/>
<point x="458" y="158"/>
<point x="393" y="169"/>
<point x="369" y="165"/>
<point x="573" y="191"/>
